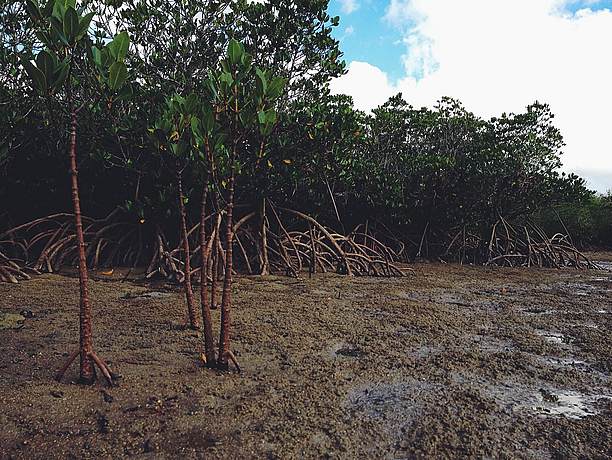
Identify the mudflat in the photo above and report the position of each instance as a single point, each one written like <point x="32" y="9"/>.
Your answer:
<point x="448" y="361"/>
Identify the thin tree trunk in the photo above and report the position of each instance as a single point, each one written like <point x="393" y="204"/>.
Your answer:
<point x="193" y="316"/>
<point x="265" y="262"/>
<point x="87" y="371"/>
<point x="214" y="272"/>
<point x="226" y="299"/>
<point x="209" y="346"/>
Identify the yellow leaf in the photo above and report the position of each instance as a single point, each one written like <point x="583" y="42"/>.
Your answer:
<point x="287" y="162"/>
<point x="174" y="136"/>
<point x="269" y="164"/>
<point x="109" y="272"/>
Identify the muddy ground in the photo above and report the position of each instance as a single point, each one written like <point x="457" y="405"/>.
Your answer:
<point x="451" y="361"/>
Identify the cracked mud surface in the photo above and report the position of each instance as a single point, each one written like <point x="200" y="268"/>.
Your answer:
<point x="453" y="361"/>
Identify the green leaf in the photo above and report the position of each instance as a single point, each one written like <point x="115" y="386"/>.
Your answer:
<point x="71" y="24"/>
<point x="126" y="93"/>
<point x="97" y="56"/>
<point x="119" y="46"/>
<point x="208" y="120"/>
<point x="191" y="103"/>
<point x="261" y="82"/>
<point x="58" y="9"/>
<point x="84" y="25"/>
<point x="246" y="60"/>
<point x="59" y="29"/>
<point x="261" y="116"/>
<point x="33" y="10"/>
<point x="43" y="37"/>
<point x="226" y="78"/>
<point x="235" y="51"/>
<point x="46" y="63"/>
<point x="225" y="66"/>
<point x="276" y="87"/>
<point x="61" y="73"/>
<point x="271" y="116"/>
<point x="38" y="78"/>
<point x="107" y="58"/>
<point x="117" y="75"/>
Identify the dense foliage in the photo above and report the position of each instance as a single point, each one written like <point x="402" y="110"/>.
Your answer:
<point x="589" y="223"/>
<point x="421" y="172"/>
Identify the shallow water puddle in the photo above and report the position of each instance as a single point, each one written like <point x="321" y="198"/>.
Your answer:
<point x="575" y="364"/>
<point x="564" y="362"/>
<point x="554" y="337"/>
<point x="570" y="404"/>
<point x="146" y="295"/>
<point x="539" y="311"/>
<point x="545" y="402"/>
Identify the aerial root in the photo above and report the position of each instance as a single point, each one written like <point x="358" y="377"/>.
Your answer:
<point x="106" y="372"/>
<point x="290" y="249"/>
<point x="64" y="368"/>
<point x="10" y="269"/>
<point x="293" y="242"/>
<point x="525" y="245"/>
<point x="48" y="243"/>
<point x="232" y="358"/>
<point x="104" y="368"/>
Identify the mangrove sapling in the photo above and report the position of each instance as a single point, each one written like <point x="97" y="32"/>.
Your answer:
<point x="208" y="136"/>
<point x="64" y="33"/>
<point x="209" y="346"/>
<point x="243" y="98"/>
<point x="173" y="135"/>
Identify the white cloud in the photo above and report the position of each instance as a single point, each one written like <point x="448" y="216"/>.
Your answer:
<point x="369" y="86"/>
<point x="499" y="56"/>
<point x="348" y="6"/>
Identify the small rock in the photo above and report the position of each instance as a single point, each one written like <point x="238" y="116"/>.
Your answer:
<point x="107" y="396"/>
<point x="26" y="313"/>
<point x="57" y="393"/>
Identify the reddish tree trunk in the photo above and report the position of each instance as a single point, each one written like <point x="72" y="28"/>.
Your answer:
<point x="265" y="263"/>
<point x="226" y="299"/>
<point x="215" y="265"/>
<point x="87" y="371"/>
<point x="193" y="316"/>
<point x="209" y="346"/>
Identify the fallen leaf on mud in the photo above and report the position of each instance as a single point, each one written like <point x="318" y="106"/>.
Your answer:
<point x="108" y="272"/>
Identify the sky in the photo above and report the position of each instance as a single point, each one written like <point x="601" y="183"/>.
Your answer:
<point x="495" y="56"/>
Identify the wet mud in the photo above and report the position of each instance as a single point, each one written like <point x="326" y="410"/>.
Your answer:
<point x="450" y="361"/>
